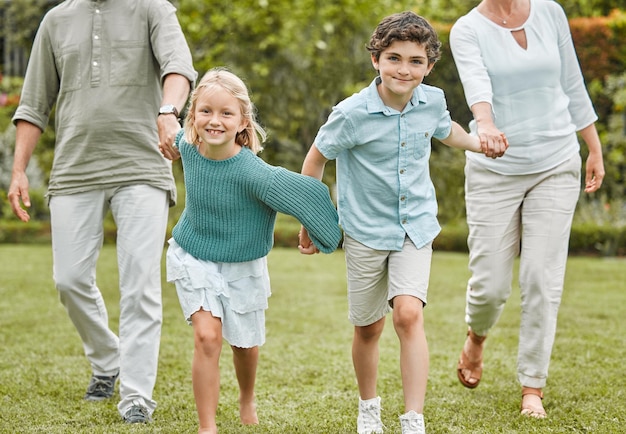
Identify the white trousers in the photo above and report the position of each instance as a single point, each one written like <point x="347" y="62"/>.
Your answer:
<point x="140" y="213"/>
<point x="529" y="215"/>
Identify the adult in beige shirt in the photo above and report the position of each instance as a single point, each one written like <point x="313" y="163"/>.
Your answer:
<point x="117" y="72"/>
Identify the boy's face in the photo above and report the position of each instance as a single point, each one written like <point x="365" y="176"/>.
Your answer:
<point x="402" y="67"/>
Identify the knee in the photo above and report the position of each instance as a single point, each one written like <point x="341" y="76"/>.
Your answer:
<point x="69" y="280"/>
<point x="406" y="316"/>
<point x="208" y="341"/>
<point x="489" y="296"/>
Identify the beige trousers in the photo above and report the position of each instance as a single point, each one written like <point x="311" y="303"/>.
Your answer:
<point x="530" y="215"/>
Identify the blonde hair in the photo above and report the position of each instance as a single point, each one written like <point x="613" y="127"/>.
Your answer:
<point x="253" y="135"/>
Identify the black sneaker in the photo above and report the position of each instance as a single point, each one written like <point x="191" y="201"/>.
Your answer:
<point x="137" y="414"/>
<point x="100" y="387"/>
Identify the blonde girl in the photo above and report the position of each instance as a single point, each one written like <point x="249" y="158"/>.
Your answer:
<point x="217" y="254"/>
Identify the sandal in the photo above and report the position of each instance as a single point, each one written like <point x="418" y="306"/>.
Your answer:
<point x="475" y="369"/>
<point x="538" y="412"/>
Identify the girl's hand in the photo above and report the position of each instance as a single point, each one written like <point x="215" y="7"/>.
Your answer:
<point x="305" y="245"/>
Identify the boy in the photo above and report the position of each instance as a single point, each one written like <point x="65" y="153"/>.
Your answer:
<point x="381" y="138"/>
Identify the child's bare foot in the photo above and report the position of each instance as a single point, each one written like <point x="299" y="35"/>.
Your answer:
<point x="247" y="413"/>
<point x="212" y="430"/>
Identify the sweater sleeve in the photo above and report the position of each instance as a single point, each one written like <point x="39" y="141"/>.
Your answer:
<point x="308" y="200"/>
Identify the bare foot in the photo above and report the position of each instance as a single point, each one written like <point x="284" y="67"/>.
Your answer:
<point x="247" y="413"/>
<point x="212" y="430"/>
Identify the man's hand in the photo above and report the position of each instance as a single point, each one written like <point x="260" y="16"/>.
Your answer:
<point x="18" y="195"/>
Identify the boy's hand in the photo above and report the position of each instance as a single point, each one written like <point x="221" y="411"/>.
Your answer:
<point x="493" y="142"/>
<point x="305" y="245"/>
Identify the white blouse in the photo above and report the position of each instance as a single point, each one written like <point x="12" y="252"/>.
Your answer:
<point x="537" y="94"/>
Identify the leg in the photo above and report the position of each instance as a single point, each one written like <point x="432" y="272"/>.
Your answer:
<point x="409" y="276"/>
<point x="205" y="371"/>
<point x="493" y="204"/>
<point x="76" y="222"/>
<point x="408" y="320"/>
<point x="365" y="357"/>
<point x="246" y="361"/>
<point x="140" y="212"/>
<point x="547" y="218"/>
<point x="368" y="305"/>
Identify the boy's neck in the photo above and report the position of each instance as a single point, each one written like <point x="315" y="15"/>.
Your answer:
<point x="394" y="101"/>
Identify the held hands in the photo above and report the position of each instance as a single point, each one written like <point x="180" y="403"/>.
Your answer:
<point x="18" y="191"/>
<point x="168" y="127"/>
<point x="493" y="142"/>
<point x="305" y="245"/>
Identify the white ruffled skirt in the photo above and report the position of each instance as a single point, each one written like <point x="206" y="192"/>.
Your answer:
<point x="235" y="292"/>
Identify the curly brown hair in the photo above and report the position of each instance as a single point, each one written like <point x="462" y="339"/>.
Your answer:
<point x="405" y="26"/>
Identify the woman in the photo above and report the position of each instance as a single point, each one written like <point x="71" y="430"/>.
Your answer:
<point x="521" y="77"/>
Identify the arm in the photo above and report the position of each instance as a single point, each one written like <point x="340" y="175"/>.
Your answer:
<point x="176" y="89"/>
<point x="492" y="141"/>
<point x="26" y="137"/>
<point x="594" y="167"/>
<point x="313" y="166"/>
<point x="468" y="57"/>
<point x="460" y="139"/>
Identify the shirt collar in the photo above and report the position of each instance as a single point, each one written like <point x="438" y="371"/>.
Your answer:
<point x="375" y="103"/>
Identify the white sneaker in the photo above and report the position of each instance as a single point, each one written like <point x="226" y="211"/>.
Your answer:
<point x="369" y="421"/>
<point x="412" y="423"/>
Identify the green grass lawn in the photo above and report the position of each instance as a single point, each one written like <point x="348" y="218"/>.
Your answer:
<point x="305" y="381"/>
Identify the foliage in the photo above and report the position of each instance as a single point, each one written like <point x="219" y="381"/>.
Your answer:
<point x="301" y="58"/>
<point x="305" y="380"/>
<point x="601" y="225"/>
<point x="297" y="64"/>
<point x="21" y="20"/>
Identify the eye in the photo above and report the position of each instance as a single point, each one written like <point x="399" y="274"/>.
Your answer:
<point x="393" y="58"/>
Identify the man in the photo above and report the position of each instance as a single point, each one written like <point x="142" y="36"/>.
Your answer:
<point x="118" y="73"/>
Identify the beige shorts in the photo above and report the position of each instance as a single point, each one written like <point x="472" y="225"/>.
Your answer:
<point x="375" y="277"/>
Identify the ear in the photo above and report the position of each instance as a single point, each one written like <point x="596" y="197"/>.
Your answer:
<point x="374" y="62"/>
<point x="430" y="68"/>
<point x="243" y="126"/>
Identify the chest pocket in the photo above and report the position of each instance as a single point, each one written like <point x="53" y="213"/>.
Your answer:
<point x="420" y="142"/>
<point x="129" y="63"/>
<point x="68" y="63"/>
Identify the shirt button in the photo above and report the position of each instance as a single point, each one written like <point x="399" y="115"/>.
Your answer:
<point x="95" y="64"/>
<point x="403" y="144"/>
<point x="402" y="198"/>
<point x="96" y="37"/>
<point x="425" y="134"/>
<point x="401" y="171"/>
<point x="403" y="221"/>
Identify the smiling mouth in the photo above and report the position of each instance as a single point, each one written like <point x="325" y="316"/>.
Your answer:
<point x="214" y="132"/>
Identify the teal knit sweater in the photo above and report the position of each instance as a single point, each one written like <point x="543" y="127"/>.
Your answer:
<point x="231" y="206"/>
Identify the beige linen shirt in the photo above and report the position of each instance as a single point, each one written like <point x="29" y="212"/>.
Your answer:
<point x="102" y="63"/>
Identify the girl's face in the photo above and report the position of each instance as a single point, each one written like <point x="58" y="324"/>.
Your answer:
<point x="218" y="119"/>
<point x="402" y="67"/>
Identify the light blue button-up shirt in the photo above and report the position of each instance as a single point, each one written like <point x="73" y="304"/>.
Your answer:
<point x="383" y="178"/>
